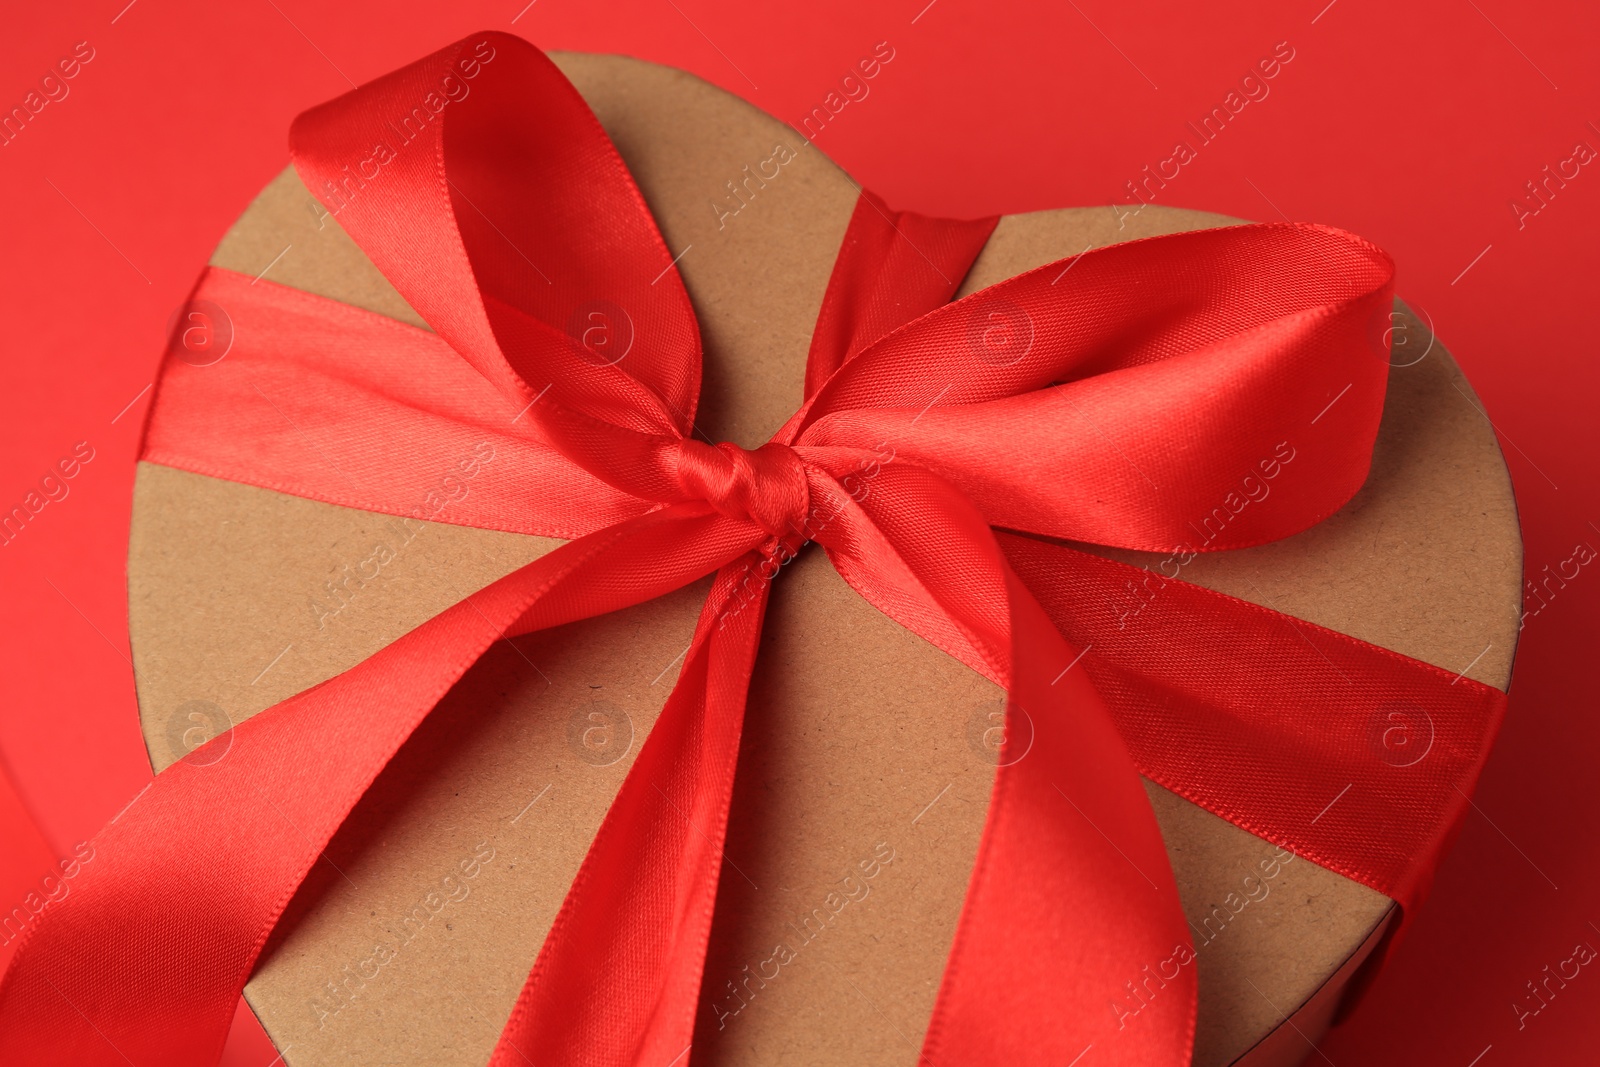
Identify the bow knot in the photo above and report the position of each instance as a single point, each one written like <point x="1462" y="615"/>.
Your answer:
<point x="766" y="486"/>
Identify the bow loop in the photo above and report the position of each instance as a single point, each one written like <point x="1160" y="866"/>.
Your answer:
<point x="1145" y="395"/>
<point x="521" y="217"/>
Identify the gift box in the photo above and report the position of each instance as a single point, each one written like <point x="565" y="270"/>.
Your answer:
<point x="868" y="760"/>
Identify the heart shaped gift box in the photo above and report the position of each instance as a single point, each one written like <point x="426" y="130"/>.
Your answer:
<point x="867" y="761"/>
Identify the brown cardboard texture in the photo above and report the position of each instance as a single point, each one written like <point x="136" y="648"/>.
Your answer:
<point x="862" y="742"/>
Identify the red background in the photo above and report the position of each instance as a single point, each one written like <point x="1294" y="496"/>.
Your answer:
<point x="1415" y="126"/>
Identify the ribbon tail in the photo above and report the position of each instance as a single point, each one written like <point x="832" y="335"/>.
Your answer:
<point x="1071" y="894"/>
<point x="194" y="874"/>
<point x="618" y="979"/>
<point x="1071" y="869"/>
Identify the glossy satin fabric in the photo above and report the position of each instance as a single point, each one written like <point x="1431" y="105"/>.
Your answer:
<point x="1118" y="403"/>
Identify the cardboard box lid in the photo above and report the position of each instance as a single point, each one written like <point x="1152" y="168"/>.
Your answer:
<point x="860" y="739"/>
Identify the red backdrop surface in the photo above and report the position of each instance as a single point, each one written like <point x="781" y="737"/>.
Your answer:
<point x="1418" y="126"/>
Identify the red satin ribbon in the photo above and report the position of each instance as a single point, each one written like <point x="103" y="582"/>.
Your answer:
<point x="1118" y="403"/>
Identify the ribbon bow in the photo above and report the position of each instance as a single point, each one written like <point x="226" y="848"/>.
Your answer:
<point x="1050" y="406"/>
